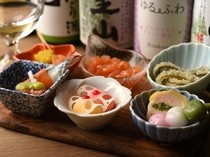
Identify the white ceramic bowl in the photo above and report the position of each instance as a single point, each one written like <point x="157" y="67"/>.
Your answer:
<point x="138" y="109"/>
<point x="187" y="56"/>
<point x="92" y="121"/>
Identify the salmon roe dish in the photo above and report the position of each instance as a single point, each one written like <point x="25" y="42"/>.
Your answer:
<point x="111" y="67"/>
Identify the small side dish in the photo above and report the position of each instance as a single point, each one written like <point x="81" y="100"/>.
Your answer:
<point x="55" y="55"/>
<point x="111" y="67"/>
<point x="102" y="59"/>
<point x="90" y="100"/>
<point x="184" y="66"/>
<point x="169" y="115"/>
<point x="91" y="103"/>
<point x="171" y="108"/>
<point x="27" y="104"/>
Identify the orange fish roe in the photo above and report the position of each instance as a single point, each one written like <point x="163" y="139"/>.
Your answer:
<point x="111" y="67"/>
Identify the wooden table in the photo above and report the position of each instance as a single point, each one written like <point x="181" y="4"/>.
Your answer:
<point x="15" y="144"/>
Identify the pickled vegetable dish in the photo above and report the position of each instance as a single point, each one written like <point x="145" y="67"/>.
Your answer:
<point x="49" y="56"/>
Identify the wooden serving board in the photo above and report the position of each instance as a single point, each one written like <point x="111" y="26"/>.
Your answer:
<point x="121" y="137"/>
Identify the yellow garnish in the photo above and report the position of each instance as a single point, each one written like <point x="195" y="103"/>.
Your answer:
<point x="44" y="56"/>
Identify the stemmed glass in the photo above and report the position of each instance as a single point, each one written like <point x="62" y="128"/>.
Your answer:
<point x="18" y="18"/>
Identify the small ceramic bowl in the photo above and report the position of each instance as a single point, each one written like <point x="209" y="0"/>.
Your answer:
<point x="98" y="47"/>
<point x="138" y="109"/>
<point x="189" y="56"/>
<point x="97" y="121"/>
<point x="65" y="50"/>
<point x="20" y="102"/>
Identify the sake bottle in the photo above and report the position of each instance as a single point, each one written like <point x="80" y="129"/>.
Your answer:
<point x="159" y="24"/>
<point x="59" y="23"/>
<point x="200" y="32"/>
<point x="111" y="20"/>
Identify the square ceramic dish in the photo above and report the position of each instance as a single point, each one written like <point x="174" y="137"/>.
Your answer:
<point x="24" y="103"/>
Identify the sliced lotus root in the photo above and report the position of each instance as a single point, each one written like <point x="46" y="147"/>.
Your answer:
<point x="84" y="106"/>
<point x="98" y="96"/>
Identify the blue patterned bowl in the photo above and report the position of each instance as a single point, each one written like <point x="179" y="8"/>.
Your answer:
<point x="138" y="109"/>
<point x="24" y="103"/>
<point x="185" y="55"/>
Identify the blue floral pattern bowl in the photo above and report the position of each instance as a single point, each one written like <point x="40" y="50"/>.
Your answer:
<point x="24" y="103"/>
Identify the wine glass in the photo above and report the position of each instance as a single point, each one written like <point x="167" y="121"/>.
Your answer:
<point x="18" y="18"/>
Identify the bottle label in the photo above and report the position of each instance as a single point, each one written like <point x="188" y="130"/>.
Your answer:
<point x="112" y="20"/>
<point x="160" y="24"/>
<point x="201" y="22"/>
<point x="60" y="19"/>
